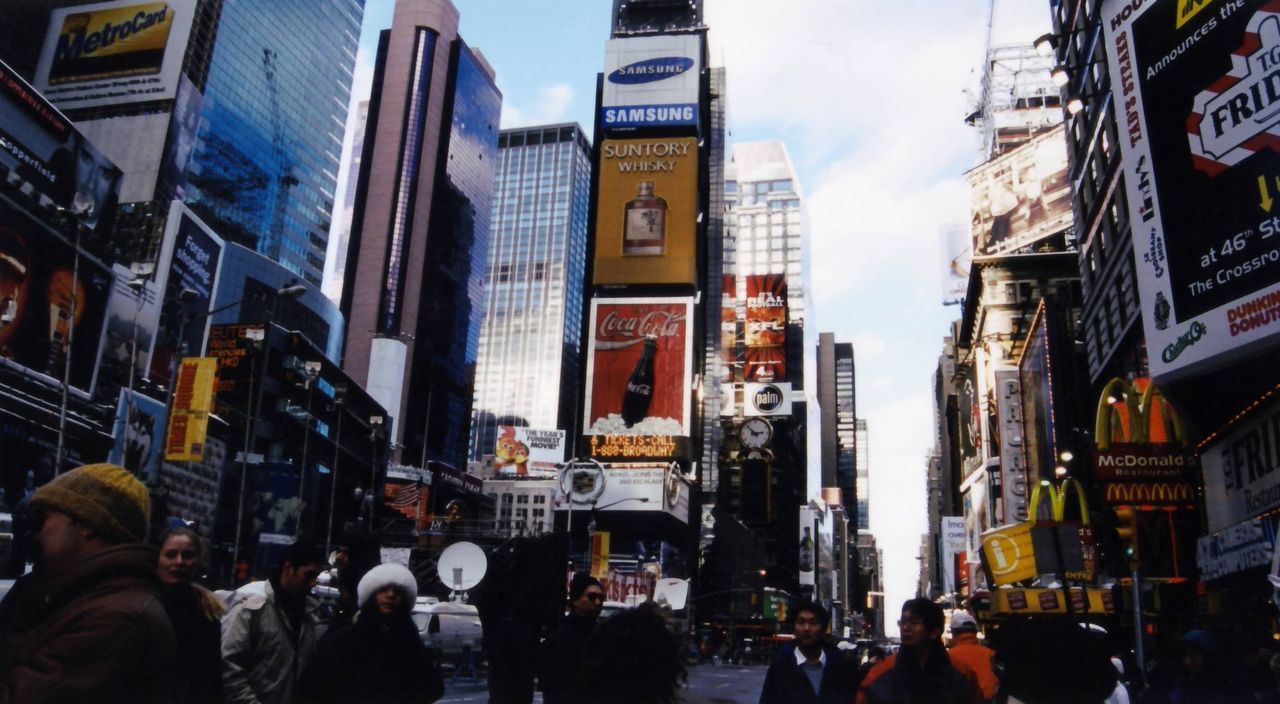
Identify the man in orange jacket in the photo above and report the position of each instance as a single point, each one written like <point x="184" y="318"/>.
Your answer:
<point x="971" y="658"/>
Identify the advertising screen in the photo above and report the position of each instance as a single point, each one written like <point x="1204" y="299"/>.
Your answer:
<point x="1195" y="93"/>
<point x="639" y="366"/>
<point x="193" y="255"/>
<point x="192" y="402"/>
<point x="646" y="222"/>
<point x="526" y="452"/>
<point x="406" y="493"/>
<point x="626" y="486"/>
<point x="651" y="81"/>
<point x="111" y="53"/>
<point x="180" y="140"/>
<point x="1034" y="378"/>
<point x="44" y="156"/>
<point x="51" y="305"/>
<point x="1021" y="197"/>
<point x="132" y="312"/>
<point x="138" y="430"/>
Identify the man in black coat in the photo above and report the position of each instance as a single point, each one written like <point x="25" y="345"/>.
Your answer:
<point x="562" y="653"/>
<point x="810" y="669"/>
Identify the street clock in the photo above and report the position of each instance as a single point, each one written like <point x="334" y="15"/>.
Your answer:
<point x="755" y="433"/>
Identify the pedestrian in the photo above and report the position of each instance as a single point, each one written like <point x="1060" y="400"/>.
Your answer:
<point x="87" y="624"/>
<point x="1052" y="661"/>
<point x="630" y="658"/>
<point x="195" y="613"/>
<point x="874" y="655"/>
<point x="380" y="657"/>
<point x="921" y="670"/>
<point x="1201" y="675"/>
<point x="971" y="658"/>
<point x="271" y="632"/>
<point x="562" y="653"/>
<point x="809" y="669"/>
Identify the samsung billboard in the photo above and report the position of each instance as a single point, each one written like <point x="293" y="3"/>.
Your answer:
<point x="651" y="82"/>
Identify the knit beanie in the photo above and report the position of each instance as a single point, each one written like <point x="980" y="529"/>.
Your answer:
<point x="579" y="584"/>
<point x="104" y="497"/>
<point x="387" y="575"/>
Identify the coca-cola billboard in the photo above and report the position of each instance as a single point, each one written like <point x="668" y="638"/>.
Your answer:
<point x="639" y="362"/>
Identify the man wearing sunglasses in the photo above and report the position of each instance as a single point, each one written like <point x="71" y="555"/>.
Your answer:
<point x="921" y="670"/>
<point x="562" y="653"/>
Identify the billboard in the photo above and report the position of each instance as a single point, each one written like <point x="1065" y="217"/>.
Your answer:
<point x="767" y="399"/>
<point x="1021" y="197"/>
<point x="192" y="402"/>
<point x="807" y="550"/>
<point x="626" y="486"/>
<point x="406" y="493"/>
<point x="112" y="53"/>
<point x="190" y="259"/>
<point x="1198" y="139"/>
<point x="728" y="328"/>
<point x="139" y="425"/>
<point x="180" y="140"/>
<point x="46" y="157"/>
<point x="1240" y="477"/>
<point x="52" y="302"/>
<point x="1035" y="379"/>
<point x="132" y="313"/>
<point x="766" y="315"/>
<point x="651" y="82"/>
<point x="647" y="214"/>
<point x="952" y="544"/>
<point x="525" y="452"/>
<point x="639" y="366"/>
<point x="1013" y="464"/>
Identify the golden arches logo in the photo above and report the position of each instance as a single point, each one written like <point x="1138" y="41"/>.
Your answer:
<point x="1136" y="413"/>
<point x="1149" y="493"/>
<point x="1058" y="499"/>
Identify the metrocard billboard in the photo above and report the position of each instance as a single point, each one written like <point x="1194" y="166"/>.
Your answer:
<point x="1196" y="92"/>
<point x="651" y="81"/>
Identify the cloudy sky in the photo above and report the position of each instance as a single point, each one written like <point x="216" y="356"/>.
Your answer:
<point x="870" y="99"/>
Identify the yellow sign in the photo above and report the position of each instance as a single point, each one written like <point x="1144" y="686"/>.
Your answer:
<point x="600" y="554"/>
<point x="189" y="415"/>
<point x="111" y="42"/>
<point x="647" y="214"/>
<point x="1051" y="601"/>
<point x="1009" y="554"/>
<point x="1135" y="413"/>
<point x="1188" y="9"/>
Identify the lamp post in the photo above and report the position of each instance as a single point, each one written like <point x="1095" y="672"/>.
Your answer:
<point x="375" y="437"/>
<point x="339" y="398"/>
<point x="312" y="370"/>
<point x="81" y="206"/>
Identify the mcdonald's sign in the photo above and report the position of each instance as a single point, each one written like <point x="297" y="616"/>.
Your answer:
<point x="1136" y="413"/>
<point x="1083" y="543"/>
<point x="1158" y="493"/>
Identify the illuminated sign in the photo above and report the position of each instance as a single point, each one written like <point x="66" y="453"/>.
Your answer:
<point x="636" y="447"/>
<point x="651" y="81"/>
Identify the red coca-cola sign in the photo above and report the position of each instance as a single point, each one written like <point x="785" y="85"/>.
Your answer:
<point x="619" y="328"/>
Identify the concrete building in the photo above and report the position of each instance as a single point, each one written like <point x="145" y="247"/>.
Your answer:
<point x="414" y="290"/>
<point x="529" y="363"/>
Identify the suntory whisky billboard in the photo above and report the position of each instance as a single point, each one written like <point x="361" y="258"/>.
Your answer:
<point x="646" y="222"/>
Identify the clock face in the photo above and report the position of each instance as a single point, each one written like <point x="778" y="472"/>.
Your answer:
<point x="755" y="433"/>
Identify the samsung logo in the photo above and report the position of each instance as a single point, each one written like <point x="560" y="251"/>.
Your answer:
<point x="651" y="70"/>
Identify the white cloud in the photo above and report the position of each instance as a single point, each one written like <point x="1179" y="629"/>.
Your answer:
<point x="553" y="105"/>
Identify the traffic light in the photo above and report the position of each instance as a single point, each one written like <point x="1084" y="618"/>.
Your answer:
<point x="1127" y="531"/>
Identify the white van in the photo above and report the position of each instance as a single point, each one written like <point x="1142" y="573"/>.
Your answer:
<point x="448" y="627"/>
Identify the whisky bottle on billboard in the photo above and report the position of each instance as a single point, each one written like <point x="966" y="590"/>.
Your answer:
<point x="639" y="393"/>
<point x="644" y="225"/>
<point x="806" y="552"/>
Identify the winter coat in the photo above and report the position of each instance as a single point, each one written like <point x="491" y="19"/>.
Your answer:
<point x="562" y="659"/>
<point x="94" y="632"/>
<point x="973" y="660"/>
<point x="786" y="683"/>
<point x="195" y="612"/>
<point x="897" y="680"/>
<point x="375" y="659"/>
<point x="262" y="656"/>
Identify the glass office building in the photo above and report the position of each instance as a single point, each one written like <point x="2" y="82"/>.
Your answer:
<point x="530" y="341"/>
<point x="275" y="101"/>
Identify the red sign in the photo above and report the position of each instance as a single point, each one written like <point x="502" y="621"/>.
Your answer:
<point x="636" y="387"/>
<point x="765" y="364"/>
<point x="1134" y="462"/>
<point x="766" y="311"/>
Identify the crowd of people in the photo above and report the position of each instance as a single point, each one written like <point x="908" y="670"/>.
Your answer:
<point x="106" y="616"/>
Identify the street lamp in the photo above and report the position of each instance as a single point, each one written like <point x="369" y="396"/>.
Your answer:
<point x="339" y="398"/>
<point x="312" y="371"/>
<point x="81" y="206"/>
<point x="375" y="437"/>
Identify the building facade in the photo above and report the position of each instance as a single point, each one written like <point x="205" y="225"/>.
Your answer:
<point x="530" y="355"/>
<point x="414" y="289"/>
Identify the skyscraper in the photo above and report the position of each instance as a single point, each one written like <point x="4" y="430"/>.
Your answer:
<point x="336" y="265"/>
<point x="837" y="400"/>
<point x="413" y="294"/>
<point x="862" y="463"/>
<point x="530" y="342"/>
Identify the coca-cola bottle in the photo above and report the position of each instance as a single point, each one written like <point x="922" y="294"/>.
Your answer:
<point x="635" y="402"/>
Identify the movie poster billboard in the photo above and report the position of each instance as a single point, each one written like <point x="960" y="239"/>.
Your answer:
<point x="639" y="366"/>
<point x="647" y="214"/>
<point x="1034" y="378"/>
<point x="139" y="427"/>
<point x="1194" y="89"/>
<point x="651" y="81"/>
<point x="190" y="260"/>
<point x="728" y="328"/>
<point x="132" y="314"/>
<point x="969" y="414"/>
<point x="527" y="452"/>
<point x="52" y="303"/>
<point x="113" y="53"/>
<point x="44" y="156"/>
<point x="180" y="140"/>
<point x="765" y="328"/>
<point x="1021" y="197"/>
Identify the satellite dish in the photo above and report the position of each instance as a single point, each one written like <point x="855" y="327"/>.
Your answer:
<point x="461" y="566"/>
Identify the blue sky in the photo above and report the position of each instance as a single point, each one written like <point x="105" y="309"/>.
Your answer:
<point x="870" y="99"/>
